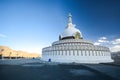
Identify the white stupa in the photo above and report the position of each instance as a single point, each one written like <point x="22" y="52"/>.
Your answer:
<point x="72" y="48"/>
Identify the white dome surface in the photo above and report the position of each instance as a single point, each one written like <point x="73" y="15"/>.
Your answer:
<point x="70" y="31"/>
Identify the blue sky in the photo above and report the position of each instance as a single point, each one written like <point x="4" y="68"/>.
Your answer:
<point x="30" y="25"/>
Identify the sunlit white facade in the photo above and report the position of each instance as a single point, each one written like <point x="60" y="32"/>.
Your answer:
<point x="72" y="48"/>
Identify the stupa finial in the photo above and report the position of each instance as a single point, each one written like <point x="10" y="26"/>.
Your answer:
<point x="69" y="18"/>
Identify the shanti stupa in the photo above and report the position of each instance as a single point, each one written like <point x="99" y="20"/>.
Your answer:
<point x="72" y="48"/>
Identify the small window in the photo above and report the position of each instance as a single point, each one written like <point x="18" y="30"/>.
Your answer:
<point x="58" y="53"/>
<point x="81" y="54"/>
<point x="96" y="54"/>
<point x="62" y="53"/>
<point x="93" y="54"/>
<point x="69" y="53"/>
<point x="73" y="54"/>
<point x="89" y="54"/>
<point x="65" y="53"/>
<point x="77" y="54"/>
<point x="85" y="54"/>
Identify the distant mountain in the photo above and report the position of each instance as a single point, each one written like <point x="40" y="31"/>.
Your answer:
<point x="7" y="52"/>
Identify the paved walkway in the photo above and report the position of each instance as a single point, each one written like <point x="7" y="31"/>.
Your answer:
<point x="18" y="61"/>
<point x="112" y="71"/>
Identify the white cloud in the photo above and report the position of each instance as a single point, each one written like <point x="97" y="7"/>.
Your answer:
<point x="97" y="43"/>
<point x="116" y="41"/>
<point x="115" y="48"/>
<point x="101" y="41"/>
<point x="2" y="35"/>
<point x="103" y="38"/>
<point x="114" y="45"/>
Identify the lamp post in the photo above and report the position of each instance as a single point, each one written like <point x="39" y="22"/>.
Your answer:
<point x="10" y="55"/>
<point x="16" y="55"/>
<point x="1" y="55"/>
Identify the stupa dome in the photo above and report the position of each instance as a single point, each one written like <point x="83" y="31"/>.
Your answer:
<point x="71" y="31"/>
